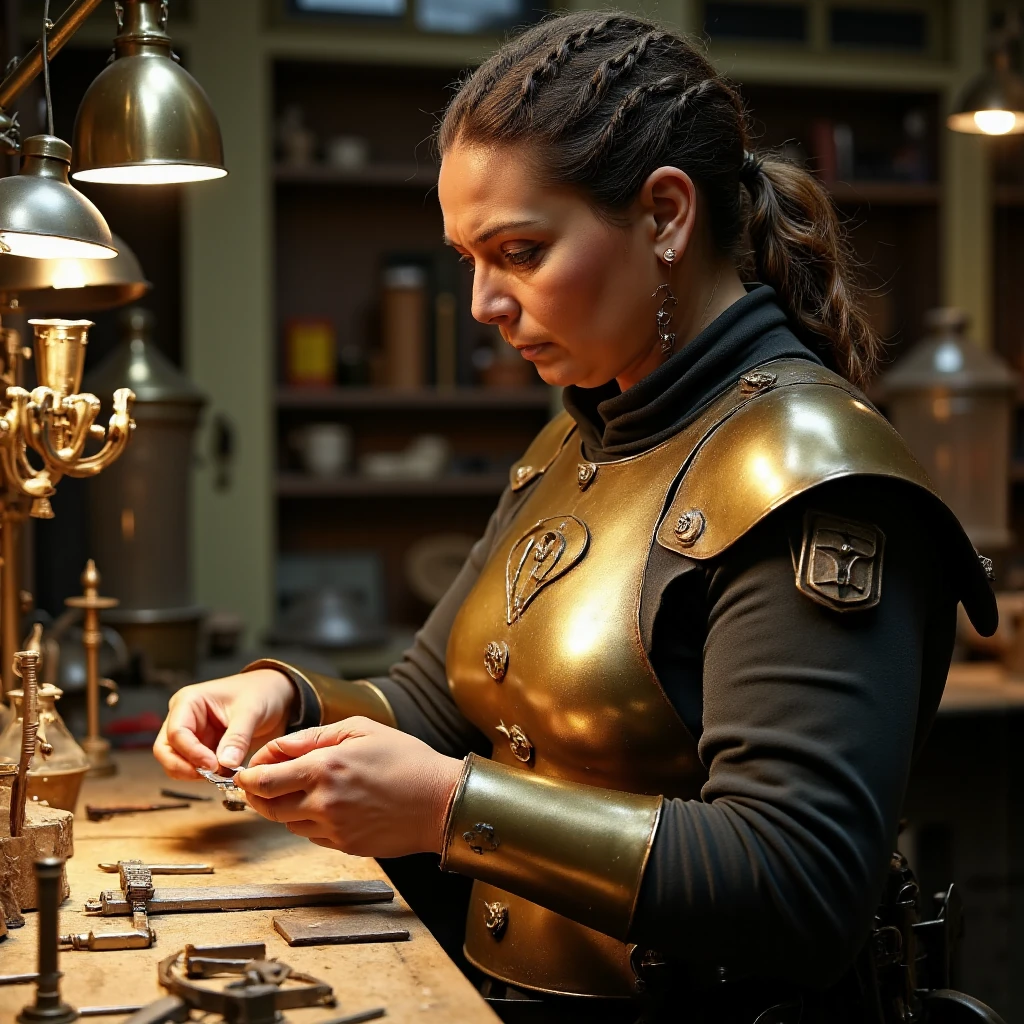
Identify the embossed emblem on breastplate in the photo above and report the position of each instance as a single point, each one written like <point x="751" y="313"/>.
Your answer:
<point x="540" y="557"/>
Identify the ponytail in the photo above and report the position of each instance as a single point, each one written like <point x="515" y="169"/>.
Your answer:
<point x="801" y="250"/>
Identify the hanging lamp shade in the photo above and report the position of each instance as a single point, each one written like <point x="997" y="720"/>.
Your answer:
<point x="992" y="103"/>
<point x="145" y="120"/>
<point x="70" y="285"/>
<point x="42" y="216"/>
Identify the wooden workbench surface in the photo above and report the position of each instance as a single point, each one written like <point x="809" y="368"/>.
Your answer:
<point x="414" y="980"/>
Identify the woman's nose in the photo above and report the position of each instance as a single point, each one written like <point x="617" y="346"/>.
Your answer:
<point x="492" y="305"/>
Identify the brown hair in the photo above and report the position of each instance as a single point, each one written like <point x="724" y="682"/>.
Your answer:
<point x="605" y="99"/>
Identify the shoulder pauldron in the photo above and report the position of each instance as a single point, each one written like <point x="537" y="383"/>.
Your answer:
<point x="800" y="427"/>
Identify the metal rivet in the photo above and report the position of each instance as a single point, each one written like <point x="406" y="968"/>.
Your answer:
<point x="482" y="837"/>
<point x="689" y="526"/>
<point x="522" y="472"/>
<point x="585" y="473"/>
<point x="519" y="743"/>
<point x="757" y="380"/>
<point x="496" y="919"/>
<point x="496" y="659"/>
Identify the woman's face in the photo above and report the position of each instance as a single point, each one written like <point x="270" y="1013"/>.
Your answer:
<point x="569" y="291"/>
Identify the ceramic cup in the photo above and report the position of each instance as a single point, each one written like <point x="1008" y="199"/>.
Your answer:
<point x="325" y="448"/>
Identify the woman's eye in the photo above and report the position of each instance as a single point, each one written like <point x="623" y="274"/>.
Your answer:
<point x="522" y="257"/>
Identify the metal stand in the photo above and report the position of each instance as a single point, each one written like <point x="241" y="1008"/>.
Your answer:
<point x="49" y="1008"/>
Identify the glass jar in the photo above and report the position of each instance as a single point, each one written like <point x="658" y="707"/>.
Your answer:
<point x="56" y="777"/>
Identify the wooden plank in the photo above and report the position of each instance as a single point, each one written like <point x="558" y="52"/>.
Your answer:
<point x="414" y="980"/>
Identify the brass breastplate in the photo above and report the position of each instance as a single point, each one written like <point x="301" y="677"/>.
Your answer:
<point x="545" y="657"/>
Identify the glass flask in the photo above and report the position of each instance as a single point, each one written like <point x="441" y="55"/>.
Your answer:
<point x="56" y="777"/>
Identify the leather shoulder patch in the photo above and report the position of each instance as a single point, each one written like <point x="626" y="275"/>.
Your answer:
<point x="840" y="564"/>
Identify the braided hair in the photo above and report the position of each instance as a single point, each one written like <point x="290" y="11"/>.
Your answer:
<point x="605" y="99"/>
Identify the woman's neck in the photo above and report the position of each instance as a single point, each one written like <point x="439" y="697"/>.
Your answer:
<point x="718" y="291"/>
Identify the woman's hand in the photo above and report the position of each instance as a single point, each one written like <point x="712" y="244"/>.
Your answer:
<point x="219" y="722"/>
<point x="355" y="786"/>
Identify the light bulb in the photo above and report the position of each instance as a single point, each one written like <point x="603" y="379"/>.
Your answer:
<point x="150" y="174"/>
<point x="52" y="247"/>
<point x="995" y="122"/>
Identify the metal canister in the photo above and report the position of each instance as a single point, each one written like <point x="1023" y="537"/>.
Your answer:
<point x="139" y="508"/>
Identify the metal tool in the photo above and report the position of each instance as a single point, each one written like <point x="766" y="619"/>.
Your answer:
<point x="97" y="813"/>
<point x="48" y="1008"/>
<point x="137" y="888"/>
<point x="266" y="896"/>
<point x="234" y="798"/>
<point x="177" y="794"/>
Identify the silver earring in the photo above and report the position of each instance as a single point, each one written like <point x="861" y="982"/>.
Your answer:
<point x="669" y="255"/>
<point x="664" y="317"/>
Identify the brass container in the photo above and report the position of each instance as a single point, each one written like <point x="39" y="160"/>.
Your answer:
<point x="60" y="353"/>
<point x="55" y="778"/>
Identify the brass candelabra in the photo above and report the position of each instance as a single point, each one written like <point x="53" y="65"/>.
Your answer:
<point x="45" y="435"/>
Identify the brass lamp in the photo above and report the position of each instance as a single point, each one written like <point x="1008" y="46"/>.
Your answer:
<point x="145" y="120"/>
<point x="993" y="102"/>
<point x="42" y="216"/>
<point x="70" y="285"/>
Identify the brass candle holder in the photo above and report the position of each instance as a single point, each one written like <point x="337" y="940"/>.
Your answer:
<point x="96" y="747"/>
<point x="57" y="423"/>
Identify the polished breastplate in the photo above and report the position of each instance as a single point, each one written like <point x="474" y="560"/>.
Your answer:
<point x="546" y="659"/>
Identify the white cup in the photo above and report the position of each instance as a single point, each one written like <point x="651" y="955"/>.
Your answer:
<point x="326" y="448"/>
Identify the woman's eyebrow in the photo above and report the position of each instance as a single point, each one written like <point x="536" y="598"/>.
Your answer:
<point x="497" y="229"/>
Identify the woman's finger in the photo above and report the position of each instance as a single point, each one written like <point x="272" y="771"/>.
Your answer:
<point x="292" y="807"/>
<point x="237" y="739"/>
<point x="181" y="728"/>
<point x="275" y="780"/>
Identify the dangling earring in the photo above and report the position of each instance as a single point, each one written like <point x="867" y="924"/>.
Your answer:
<point x="664" y="318"/>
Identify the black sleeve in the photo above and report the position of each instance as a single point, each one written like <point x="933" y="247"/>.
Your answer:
<point x="809" y="718"/>
<point x="417" y="686"/>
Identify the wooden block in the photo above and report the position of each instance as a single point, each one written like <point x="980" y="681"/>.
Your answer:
<point x="48" y="833"/>
<point x="337" y="928"/>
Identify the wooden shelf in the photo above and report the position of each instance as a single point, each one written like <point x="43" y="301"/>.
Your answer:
<point x="297" y="485"/>
<point x="427" y="398"/>
<point x="388" y="175"/>
<point x="886" y="193"/>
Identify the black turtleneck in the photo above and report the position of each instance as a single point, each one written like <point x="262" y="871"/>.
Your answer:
<point x="614" y="423"/>
<point x="806" y="718"/>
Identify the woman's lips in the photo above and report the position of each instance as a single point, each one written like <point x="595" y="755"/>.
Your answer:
<point x="533" y="351"/>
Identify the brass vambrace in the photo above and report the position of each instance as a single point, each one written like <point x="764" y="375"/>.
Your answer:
<point x="338" y="698"/>
<point x="577" y="850"/>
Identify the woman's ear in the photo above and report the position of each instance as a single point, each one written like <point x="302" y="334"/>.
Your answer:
<point x="669" y="201"/>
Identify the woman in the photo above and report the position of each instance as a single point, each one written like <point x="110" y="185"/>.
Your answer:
<point x="671" y="701"/>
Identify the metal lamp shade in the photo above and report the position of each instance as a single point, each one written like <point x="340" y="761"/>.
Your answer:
<point x="992" y="103"/>
<point x="42" y="216"/>
<point x="70" y="285"/>
<point x="144" y="120"/>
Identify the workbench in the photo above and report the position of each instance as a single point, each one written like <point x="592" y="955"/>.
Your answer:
<point x="414" y="980"/>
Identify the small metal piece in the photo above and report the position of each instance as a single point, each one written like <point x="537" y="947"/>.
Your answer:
<point x="162" y="1011"/>
<point x="496" y="919"/>
<point x="757" y="380"/>
<point x="519" y="743"/>
<point x="112" y="1011"/>
<point x="103" y="942"/>
<point x="18" y="979"/>
<point x="987" y="567"/>
<point x="162" y="869"/>
<point x="338" y="932"/>
<point x="496" y="656"/>
<point x="689" y="526"/>
<point x="585" y="473"/>
<point x="482" y="837"/>
<point x="664" y="317"/>
<point x="248" y="950"/>
<point x="669" y="255"/>
<point x="234" y="798"/>
<point x="175" y="794"/>
<point x="95" y="813"/>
